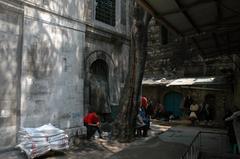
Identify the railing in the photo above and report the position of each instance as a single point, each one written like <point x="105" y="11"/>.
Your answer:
<point x="196" y="146"/>
<point x="193" y="150"/>
<point x="219" y="143"/>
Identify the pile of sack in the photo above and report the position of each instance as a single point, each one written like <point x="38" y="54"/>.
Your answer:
<point x="38" y="141"/>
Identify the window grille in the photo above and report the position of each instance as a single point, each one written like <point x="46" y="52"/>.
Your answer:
<point x="105" y="11"/>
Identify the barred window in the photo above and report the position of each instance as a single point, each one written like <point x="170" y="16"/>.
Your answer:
<point x="105" y="11"/>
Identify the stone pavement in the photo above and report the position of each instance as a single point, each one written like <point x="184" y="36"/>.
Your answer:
<point x="168" y="145"/>
<point x="173" y="143"/>
<point x="95" y="149"/>
<point x="87" y="150"/>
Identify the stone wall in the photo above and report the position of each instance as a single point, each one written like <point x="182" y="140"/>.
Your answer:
<point x="74" y="9"/>
<point x="41" y="65"/>
<point x="110" y="44"/>
<point x="47" y="48"/>
<point x="114" y="50"/>
<point x="177" y="58"/>
<point x="52" y="70"/>
<point x="10" y="46"/>
<point x="164" y="60"/>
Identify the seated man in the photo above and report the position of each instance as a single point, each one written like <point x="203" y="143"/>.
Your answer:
<point x="91" y="121"/>
<point x="140" y="125"/>
<point x="142" y="122"/>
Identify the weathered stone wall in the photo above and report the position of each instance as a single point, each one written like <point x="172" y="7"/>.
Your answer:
<point x="52" y="70"/>
<point x="114" y="50"/>
<point x="42" y="61"/>
<point x="10" y="46"/>
<point x="164" y="60"/>
<point x="177" y="58"/>
<point x="111" y="44"/>
<point x="72" y="9"/>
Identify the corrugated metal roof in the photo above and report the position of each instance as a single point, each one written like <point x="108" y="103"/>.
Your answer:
<point x="187" y="81"/>
<point x="162" y="81"/>
<point x="218" y="21"/>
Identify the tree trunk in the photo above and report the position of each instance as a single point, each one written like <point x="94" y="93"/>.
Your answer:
<point x="124" y="125"/>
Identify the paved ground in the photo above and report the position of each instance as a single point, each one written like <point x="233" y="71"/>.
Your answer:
<point x="96" y="149"/>
<point x="154" y="148"/>
<point x="174" y="142"/>
<point x="168" y="145"/>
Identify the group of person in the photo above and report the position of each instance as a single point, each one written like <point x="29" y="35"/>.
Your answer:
<point x="92" y="121"/>
<point x="202" y="112"/>
<point x="195" y="112"/>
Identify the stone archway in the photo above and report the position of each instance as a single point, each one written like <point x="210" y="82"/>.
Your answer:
<point x="172" y="102"/>
<point x="99" y="82"/>
<point x="99" y="87"/>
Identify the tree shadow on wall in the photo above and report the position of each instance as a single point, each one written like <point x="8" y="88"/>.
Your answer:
<point x="9" y="75"/>
<point x="47" y="64"/>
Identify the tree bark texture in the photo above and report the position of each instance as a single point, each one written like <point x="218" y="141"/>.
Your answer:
<point x="124" y="125"/>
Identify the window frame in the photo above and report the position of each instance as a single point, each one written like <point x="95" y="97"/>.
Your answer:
<point x="102" y="22"/>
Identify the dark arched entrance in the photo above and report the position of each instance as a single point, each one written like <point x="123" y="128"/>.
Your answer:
<point x="99" y="87"/>
<point x="172" y="102"/>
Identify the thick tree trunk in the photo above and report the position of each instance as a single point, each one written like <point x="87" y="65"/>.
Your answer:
<point x="124" y="125"/>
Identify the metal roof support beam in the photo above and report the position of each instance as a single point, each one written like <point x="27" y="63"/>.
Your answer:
<point x="223" y="47"/>
<point x="225" y="22"/>
<point x="159" y="18"/>
<point x="234" y="45"/>
<point x="185" y="13"/>
<point x="199" y="2"/>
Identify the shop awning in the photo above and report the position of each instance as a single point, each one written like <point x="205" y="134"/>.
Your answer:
<point x="195" y="81"/>
<point x="187" y="81"/>
<point x="162" y="81"/>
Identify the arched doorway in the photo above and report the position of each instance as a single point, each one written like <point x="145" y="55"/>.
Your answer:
<point x="172" y="102"/>
<point x="99" y="88"/>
